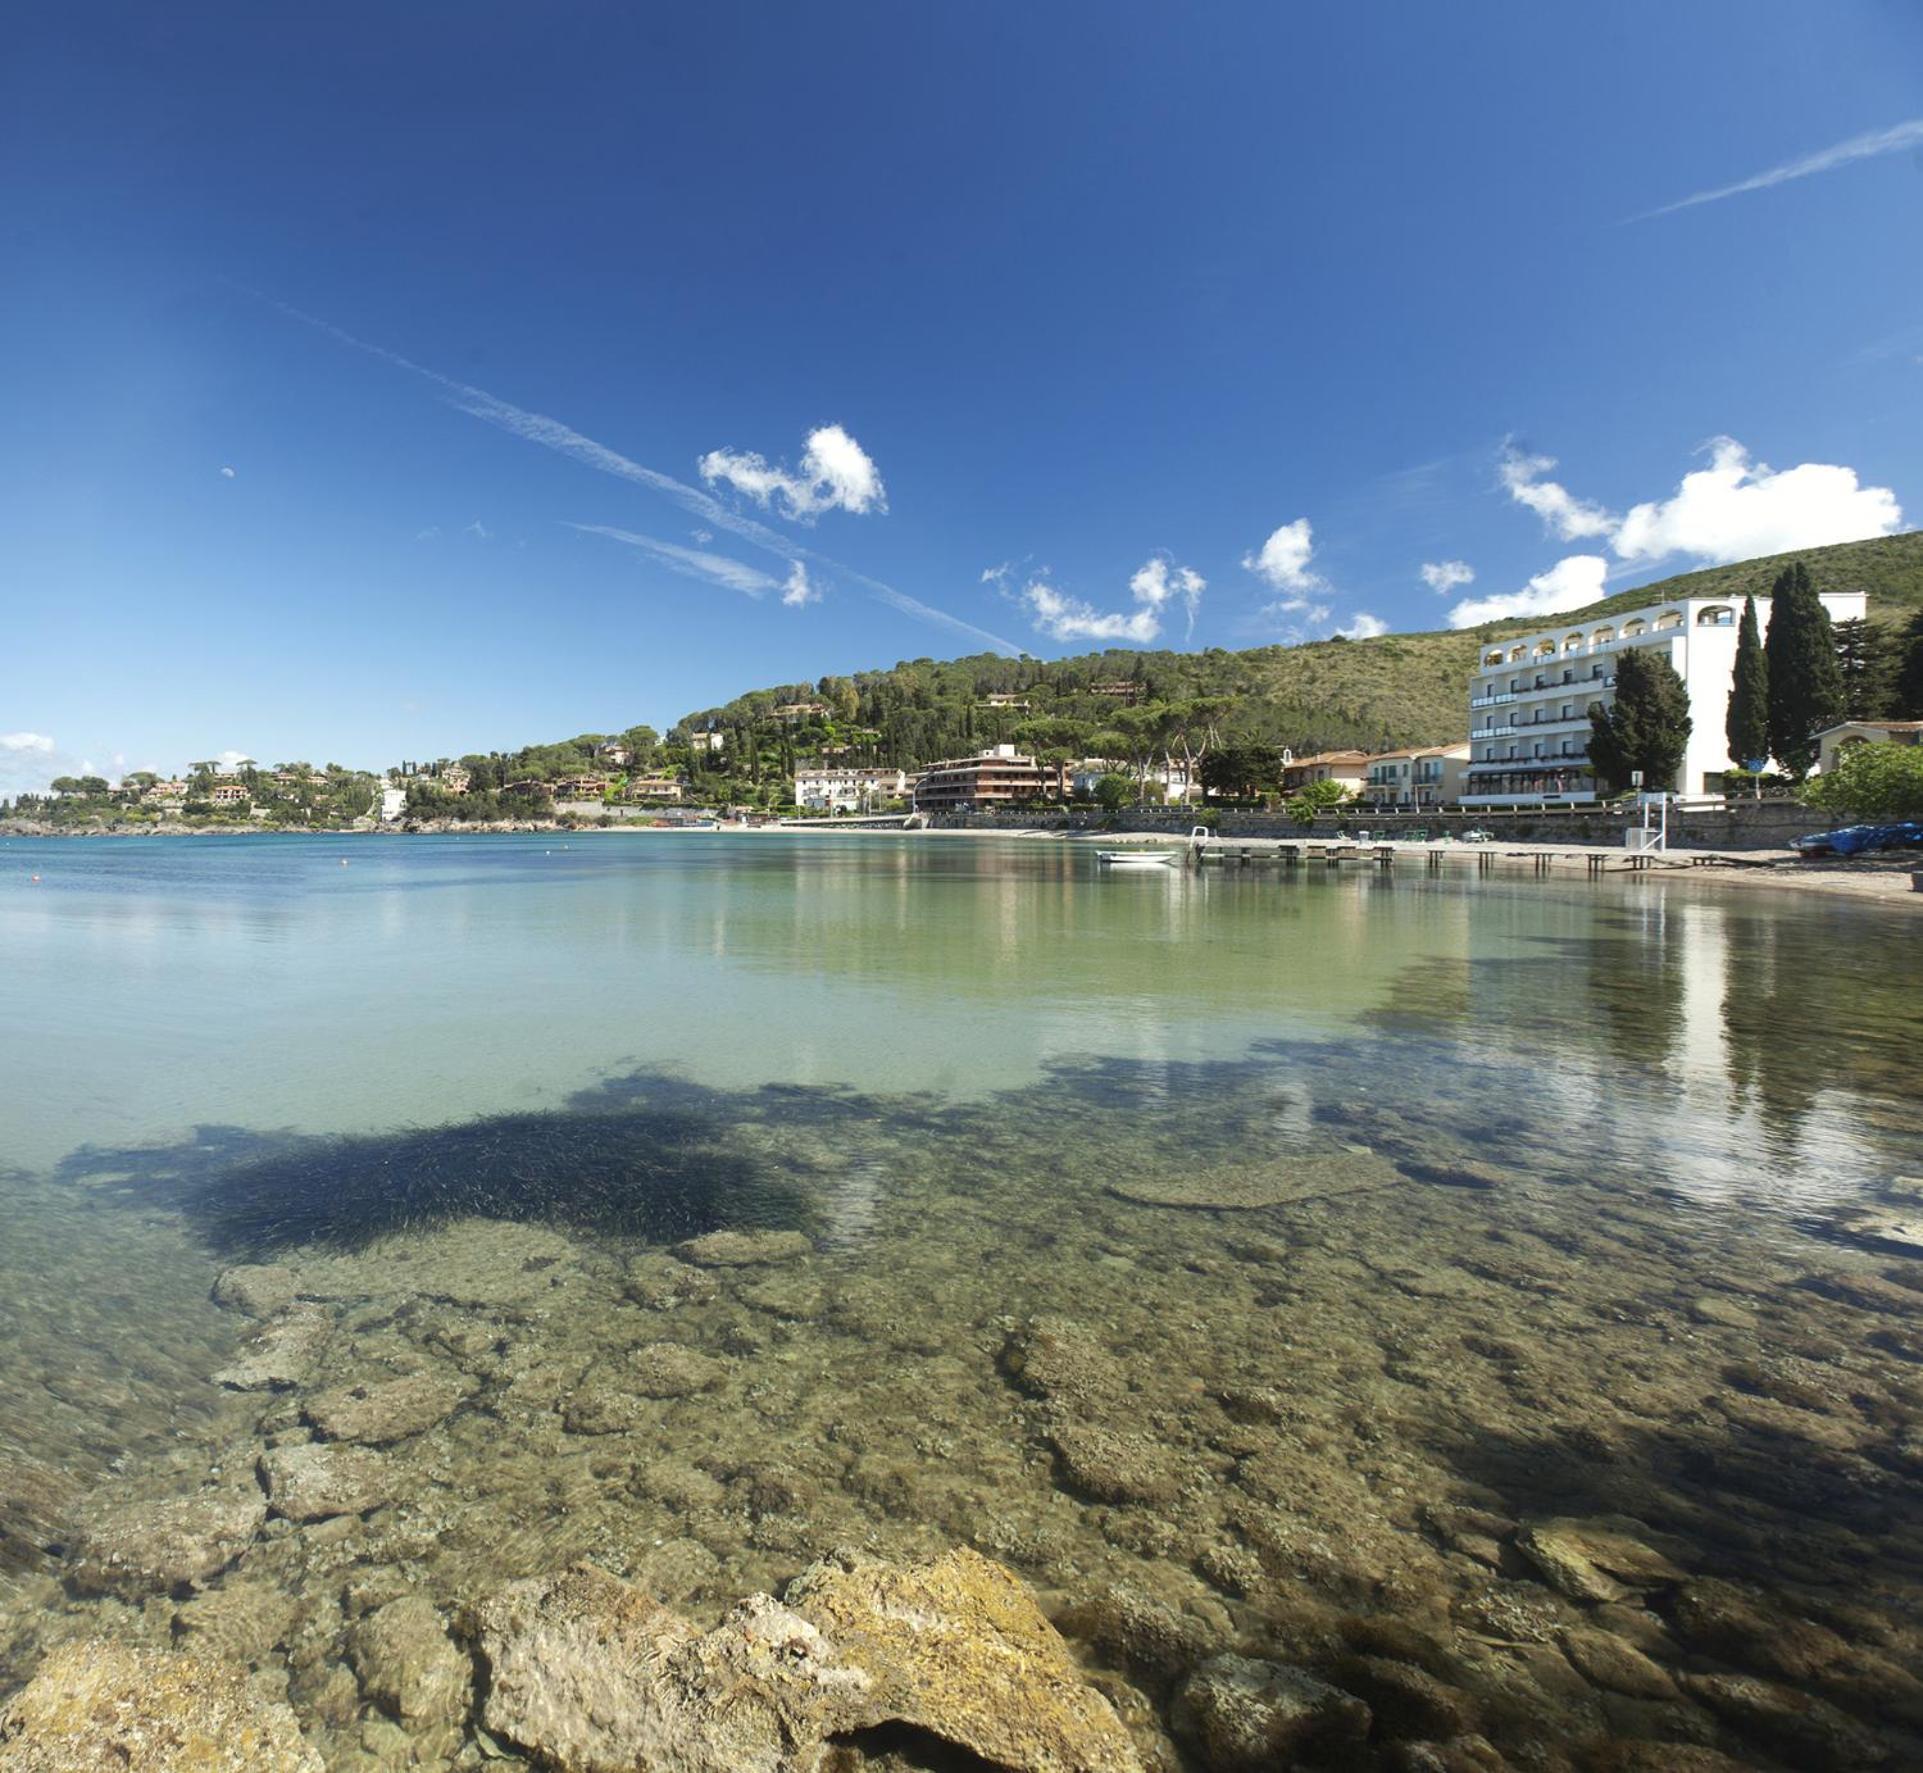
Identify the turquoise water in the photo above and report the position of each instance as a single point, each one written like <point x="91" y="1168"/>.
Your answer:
<point x="1383" y="1217"/>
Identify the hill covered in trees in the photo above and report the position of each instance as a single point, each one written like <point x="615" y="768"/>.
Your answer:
<point x="1398" y="689"/>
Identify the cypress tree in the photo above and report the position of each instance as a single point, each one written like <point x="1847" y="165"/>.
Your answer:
<point x="1805" y="679"/>
<point x="1747" y="724"/>
<point x="1646" y="728"/>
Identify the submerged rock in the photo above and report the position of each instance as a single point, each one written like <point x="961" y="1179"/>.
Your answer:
<point x="101" y="1707"/>
<point x="1239" y="1187"/>
<point x="661" y="1283"/>
<point x="1058" y="1360"/>
<point x="34" y="1499"/>
<point x="1108" y="1466"/>
<point x="236" y="1620"/>
<point x="668" y="1369"/>
<point x="1250" y="1717"/>
<point x="260" y="1289"/>
<point x="1743" y="1625"/>
<point x="1615" y="1664"/>
<point x="385" y="1410"/>
<point x="409" y="1666"/>
<point x="1807" y="1730"/>
<point x="488" y="1262"/>
<point x="282" y="1355"/>
<point x="1594" y="1560"/>
<point x="594" y="1676"/>
<point x="1897" y="1227"/>
<point x="744" y="1249"/>
<point x="313" y="1482"/>
<point x="136" y="1549"/>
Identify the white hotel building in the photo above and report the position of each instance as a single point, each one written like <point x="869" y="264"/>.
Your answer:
<point x="1529" y="700"/>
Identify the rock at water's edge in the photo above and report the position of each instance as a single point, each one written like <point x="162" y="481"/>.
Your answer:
<point x="102" y="1707"/>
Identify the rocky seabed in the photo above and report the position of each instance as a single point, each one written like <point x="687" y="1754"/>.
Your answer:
<point x="1355" y="1470"/>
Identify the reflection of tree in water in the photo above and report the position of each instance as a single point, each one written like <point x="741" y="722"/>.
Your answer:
<point x="1770" y="1064"/>
<point x="1632" y="992"/>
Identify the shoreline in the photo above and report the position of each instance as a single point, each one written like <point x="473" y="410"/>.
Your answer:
<point x="1861" y="882"/>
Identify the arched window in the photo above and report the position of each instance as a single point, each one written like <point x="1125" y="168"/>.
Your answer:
<point x="1632" y="629"/>
<point x="1572" y="643"/>
<point x="1718" y="615"/>
<point x="1545" y="649"/>
<point x="1518" y="652"/>
<point x="1494" y="658"/>
<point x="1602" y="637"/>
<point x="1670" y="618"/>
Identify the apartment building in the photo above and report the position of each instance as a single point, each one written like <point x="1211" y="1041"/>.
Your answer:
<point x="837" y="789"/>
<point x="999" y="776"/>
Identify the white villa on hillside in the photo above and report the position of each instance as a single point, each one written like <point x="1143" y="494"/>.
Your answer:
<point x="1529" y="700"/>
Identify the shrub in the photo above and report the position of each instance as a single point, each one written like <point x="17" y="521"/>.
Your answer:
<point x="1871" y="781"/>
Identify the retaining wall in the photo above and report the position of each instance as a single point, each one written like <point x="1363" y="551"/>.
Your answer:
<point x="1741" y="825"/>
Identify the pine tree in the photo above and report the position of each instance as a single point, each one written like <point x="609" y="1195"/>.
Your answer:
<point x="1646" y="728"/>
<point x="1747" y="723"/>
<point x="1906" y="699"/>
<point x="1863" y="653"/>
<point x="1805" y="679"/>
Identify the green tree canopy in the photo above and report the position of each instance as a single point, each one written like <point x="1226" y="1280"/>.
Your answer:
<point x="1871" y="781"/>
<point x="1907" y="697"/>
<point x="1868" y="662"/>
<point x="1805" y="678"/>
<point x="1647" y="727"/>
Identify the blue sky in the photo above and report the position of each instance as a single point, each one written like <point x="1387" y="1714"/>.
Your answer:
<point x="389" y="381"/>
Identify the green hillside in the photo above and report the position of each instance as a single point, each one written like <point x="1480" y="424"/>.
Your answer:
<point x="1400" y="689"/>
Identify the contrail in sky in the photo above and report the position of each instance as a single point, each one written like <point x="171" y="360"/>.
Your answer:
<point x="534" y="427"/>
<point x="1859" y="147"/>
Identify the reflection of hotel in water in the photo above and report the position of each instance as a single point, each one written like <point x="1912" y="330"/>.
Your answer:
<point x="1679" y="1058"/>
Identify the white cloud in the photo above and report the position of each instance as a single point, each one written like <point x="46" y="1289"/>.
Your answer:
<point x="798" y="593"/>
<point x="231" y="759"/>
<point x="27" y="743"/>
<point x="692" y="563"/>
<point x="1444" y="576"/>
<point x="836" y="474"/>
<point x="227" y="474"/>
<point x="1283" y="560"/>
<point x="1736" y="509"/>
<point x="1868" y="146"/>
<point x="1563" y="515"/>
<point x="1575" y="580"/>
<point x="1363" y="626"/>
<point x="1155" y="584"/>
<point x="1159" y="579"/>
<point x="1296" y="616"/>
<point x="479" y="531"/>
<point x="430" y="534"/>
<point x="703" y="536"/>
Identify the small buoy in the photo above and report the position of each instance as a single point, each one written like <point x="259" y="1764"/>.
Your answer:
<point x="36" y="879"/>
<point x="343" y="861"/>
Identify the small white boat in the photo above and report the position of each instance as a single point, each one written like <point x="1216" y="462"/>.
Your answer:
<point x="1137" y="858"/>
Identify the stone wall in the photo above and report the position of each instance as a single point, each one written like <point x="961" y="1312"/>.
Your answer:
<point x="1739" y="825"/>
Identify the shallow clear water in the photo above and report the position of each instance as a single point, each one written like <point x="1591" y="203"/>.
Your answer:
<point x="1616" y="1256"/>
